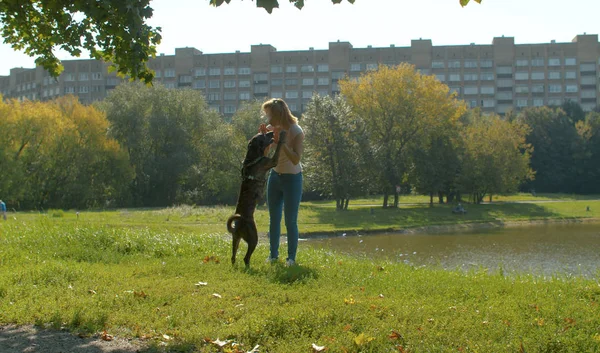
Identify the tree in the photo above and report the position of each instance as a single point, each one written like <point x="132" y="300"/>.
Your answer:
<point x="496" y="157"/>
<point x="335" y="143"/>
<point x="398" y="105"/>
<point x="247" y="119"/>
<point x="587" y="156"/>
<point x="111" y="30"/>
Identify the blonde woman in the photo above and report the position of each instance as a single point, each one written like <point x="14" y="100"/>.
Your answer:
<point x="284" y="186"/>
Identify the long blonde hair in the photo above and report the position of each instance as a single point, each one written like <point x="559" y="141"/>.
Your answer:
<point x="280" y="112"/>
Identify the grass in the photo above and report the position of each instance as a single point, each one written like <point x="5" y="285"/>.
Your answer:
<point x="136" y="274"/>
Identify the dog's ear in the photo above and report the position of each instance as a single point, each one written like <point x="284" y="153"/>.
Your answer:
<point x="270" y="134"/>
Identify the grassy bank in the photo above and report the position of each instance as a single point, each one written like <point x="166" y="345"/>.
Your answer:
<point x="145" y="283"/>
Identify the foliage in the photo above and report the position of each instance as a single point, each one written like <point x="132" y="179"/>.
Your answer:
<point x="57" y="154"/>
<point x="114" y="31"/>
<point x="247" y="119"/>
<point x="335" y="160"/>
<point x="181" y="150"/>
<point x="496" y="157"/>
<point x="399" y="105"/>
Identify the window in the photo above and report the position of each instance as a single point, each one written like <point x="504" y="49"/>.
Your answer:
<point x="214" y="96"/>
<point x="157" y="74"/>
<point x="97" y="75"/>
<point x="291" y="69"/>
<point x="291" y="94"/>
<point x="84" y="89"/>
<point x="522" y="89"/>
<point x="454" y="90"/>
<point x="590" y="80"/>
<point x="170" y="73"/>
<point x="307" y="68"/>
<point x="291" y="82"/>
<point x="215" y="108"/>
<point x="570" y="61"/>
<point x="229" y="71"/>
<point x="571" y="88"/>
<point x="522" y="103"/>
<point x="308" y="82"/>
<point x="504" y="95"/>
<point x="244" y="71"/>
<point x="276" y="69"/>
<point x="487" y="90"/>
<point x="214" y="84"/>
<point x="198" y="84"/>
<point x="199" y="72"/>
<point x="292" y="107"/>
<point x="537" y="62"/>
<point x="245" y="95"/>
<point x="554" y="75"/>
<point x="472" y="103"/>
<point x="571" y="75"/>
<point x="470" y="64"/>
<point x="522" y="62"/>
<point x="261" y="77"/>
<point x="83" y="76"/>
<point x="323" y="93"/>
<point x="470" y="77"/>
<point x="185" y="79"/>
<point x="554" y="62"/>
<point x="323" y="81"/>
<point x="69" y="77"/>
<point x="170" y="84"/>
<point x="230" y="96"/>
<point x="440" y="77"/>
<point x="244" y="84"/>
<point x="307" y="94"/>
<point x="261" y="88"/>
<point x="372" y="66"/>
<point x="229" y="109"/>
<point x="588" y="94"/>
<point x="454" y="64"/>
<point x="214" y="71"/>
<point x="486" y="63"/>
<point x="454" y="77"/>
<point x="277" y="82"/>
<point x="471" y="90"/>
<point x="276" y="94"/>
<point x="522" y="76"/>
<point x="554" y="88"/>
<point x="438" y="65"/>
<point x="113" y="81"/>
<point x="537" y="88"/>
<point x="587" y="67"/>
<point x="354" y="67"/>
<point x="229" y="84"/>
<point x="487" y="76"/>
<point x="488" y="103"/>
<point x="338" y="75"/>
<point x="555" y="101"/>
<point x="322" y="67"/>
<point x="538" y="102"/>
<point x="504" y="70"/>
<point x="537" y="75"/>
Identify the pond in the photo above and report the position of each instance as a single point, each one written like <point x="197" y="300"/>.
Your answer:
<point x="561" y="249"/>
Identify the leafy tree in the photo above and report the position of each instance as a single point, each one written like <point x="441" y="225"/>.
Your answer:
<point x="335" y="143"/>
<point x="247" y="119"/>
<point x="554" y="137"/>
<point x="496" y="157"/>
<point x="398" y="105"/>
<point x="587" y="156"/>
<point x="111" y="30"/>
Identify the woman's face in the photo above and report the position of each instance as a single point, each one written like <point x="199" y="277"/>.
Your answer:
<point x="269" y="116"/>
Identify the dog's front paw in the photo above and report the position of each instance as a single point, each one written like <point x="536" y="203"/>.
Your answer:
<point x="282" y="136"/>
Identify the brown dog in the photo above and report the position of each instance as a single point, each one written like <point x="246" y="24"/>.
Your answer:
<point x="241" y="225"/>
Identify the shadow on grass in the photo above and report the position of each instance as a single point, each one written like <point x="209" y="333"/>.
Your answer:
<point x="379" y="219"/>
<point x="279" y="273"/>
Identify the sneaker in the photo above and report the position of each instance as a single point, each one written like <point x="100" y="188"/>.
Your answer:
<point x="290" y="263"/>
<point x="271" y="260"/>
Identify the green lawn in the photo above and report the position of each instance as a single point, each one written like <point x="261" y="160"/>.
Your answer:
<point x="137" y="274"/>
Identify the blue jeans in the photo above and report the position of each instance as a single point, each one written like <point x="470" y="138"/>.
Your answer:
<point x="284" y="192"/>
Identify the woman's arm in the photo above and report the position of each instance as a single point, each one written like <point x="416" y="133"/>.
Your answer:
<point x="294" y="153"/>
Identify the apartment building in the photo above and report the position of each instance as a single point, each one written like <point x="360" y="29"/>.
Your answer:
<point x="496" y="77"/>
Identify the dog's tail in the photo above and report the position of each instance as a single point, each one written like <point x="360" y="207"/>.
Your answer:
<point x="233" y="219"/>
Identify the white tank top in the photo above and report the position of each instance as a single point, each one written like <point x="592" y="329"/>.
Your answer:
<point x="284" y="165"/>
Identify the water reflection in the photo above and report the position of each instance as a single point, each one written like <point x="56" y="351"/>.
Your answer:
<point x="572" y="249"/>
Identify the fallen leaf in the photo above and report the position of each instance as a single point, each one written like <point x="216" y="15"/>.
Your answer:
<point x="201" y="284"/>
<point x="105" y="336"/>
<point x="380" y="268"/>
<point x="140" y="294"/>
<point x="339" y="263"/>
<point x="92" y="292"/>
<point x="395" y="335"/>
<point x="220" y="343"/>
<point x="521" y="349"/>
<point x="318" y="348"/>
<point x="362" y="339"/>
<point x="349" y="301"/>
<point x="237" y="297"/>
<point x="347" y="327"/>
<point x="216" y="295"/>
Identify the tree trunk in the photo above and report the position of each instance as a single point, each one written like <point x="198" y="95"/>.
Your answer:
<point x="440" y="197"/>
<point x="338" y="204"/>
<point x="347" y="202"/>
<point x="385" y="200"/>
<point x="396" y="199"/>
<point x="450" y="197"/>
<point x="431" y="199"/>
<point x="490" y="198"/>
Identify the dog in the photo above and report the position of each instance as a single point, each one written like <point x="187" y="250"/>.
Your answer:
<point x="255" y="167"/>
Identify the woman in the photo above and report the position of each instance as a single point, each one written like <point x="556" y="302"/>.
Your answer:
<point x="284" y="186"/>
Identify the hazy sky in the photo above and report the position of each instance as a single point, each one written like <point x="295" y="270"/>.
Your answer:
<point x="379" y="23"/>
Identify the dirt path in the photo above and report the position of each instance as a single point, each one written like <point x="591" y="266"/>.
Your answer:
<point x="30" y="339"/>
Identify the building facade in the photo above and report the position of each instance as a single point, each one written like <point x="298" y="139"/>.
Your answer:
<point x="496" y="78"/>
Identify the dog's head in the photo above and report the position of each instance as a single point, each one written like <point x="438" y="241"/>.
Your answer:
<point x="257" y="146"/>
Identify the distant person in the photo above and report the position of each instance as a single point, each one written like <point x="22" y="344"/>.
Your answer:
<point x="284" y="186"/>
<point x="3" y="209"/>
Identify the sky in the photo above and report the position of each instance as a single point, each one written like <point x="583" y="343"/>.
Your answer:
<point x="194" y="23"/>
